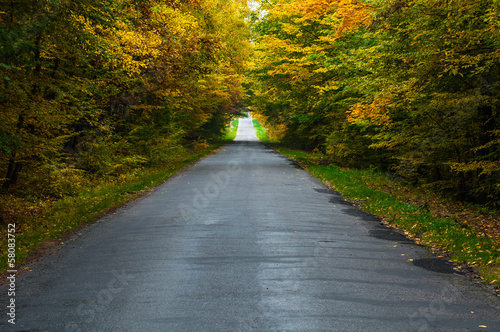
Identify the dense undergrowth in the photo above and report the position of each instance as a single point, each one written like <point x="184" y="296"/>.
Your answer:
<point x="232" y="130"/>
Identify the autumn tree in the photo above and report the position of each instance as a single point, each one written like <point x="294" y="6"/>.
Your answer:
<point x="433" y="83"/>
<point x="407" y="86"/>
<point x="101" y="87"/>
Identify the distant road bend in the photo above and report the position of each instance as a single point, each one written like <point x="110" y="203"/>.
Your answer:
<point x="245" y="241"/>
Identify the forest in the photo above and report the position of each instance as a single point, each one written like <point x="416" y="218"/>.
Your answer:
<point x="409" y="87"/>
<point x="97" y="89"/>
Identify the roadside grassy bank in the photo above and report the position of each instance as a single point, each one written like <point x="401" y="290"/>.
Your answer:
<point x="50" y="220"/>
<point x="231" y="132"/>
<point x="42" y="223"/>
<point x="463" y="234"/>
<point x="260" y="131"/>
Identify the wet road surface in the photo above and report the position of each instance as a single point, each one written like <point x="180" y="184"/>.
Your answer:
<point x="245" y="241"/>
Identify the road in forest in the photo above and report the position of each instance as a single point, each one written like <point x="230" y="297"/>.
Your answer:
<point x="245" y="241"/>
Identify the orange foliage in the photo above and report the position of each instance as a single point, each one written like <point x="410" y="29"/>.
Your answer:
<point x="273" y="132"/>
<point x="374" y="113"/>
<point x="352" y="14"/>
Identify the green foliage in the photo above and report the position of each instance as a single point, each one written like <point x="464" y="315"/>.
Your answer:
<point x="231" y="130"/>
<point x="411" y="87"/>
<point x="107" y="86"/>
<point x="260" y="132"/>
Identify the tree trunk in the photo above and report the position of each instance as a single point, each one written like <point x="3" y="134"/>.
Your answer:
<point x="12" y="172"/>
<point x="14" y="166"/>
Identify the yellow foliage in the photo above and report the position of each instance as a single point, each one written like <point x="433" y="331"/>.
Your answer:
<point x="354" y="14"/>
<point x="486" y="167"/>
<point x="177" y="22"/>
<point x="351" y="14"/>
<point x="374" y="113"/>
<point x="292" y="57"/>
<point x="308" y="9"/>
<point x="274" y="133"/>
<point x="329" y="86"/>
<point x="130" y="48"/>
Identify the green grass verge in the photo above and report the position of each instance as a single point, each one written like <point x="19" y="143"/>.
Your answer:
<point x="261" y="132"/>
<point x="368" y="189"/>
<point x="231" y="131"/>
<point x="51" y="221"/>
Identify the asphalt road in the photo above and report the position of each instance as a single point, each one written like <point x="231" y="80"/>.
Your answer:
<point x="245" y="241"/>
